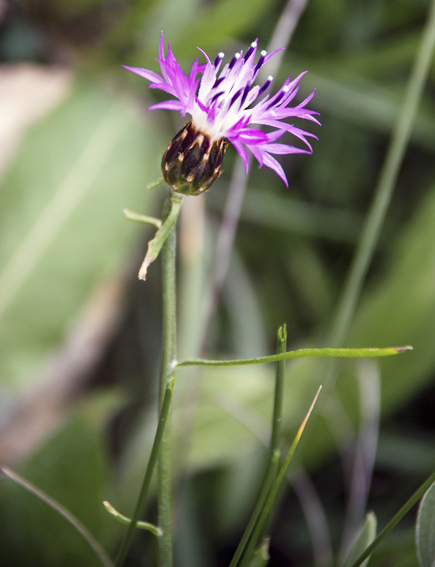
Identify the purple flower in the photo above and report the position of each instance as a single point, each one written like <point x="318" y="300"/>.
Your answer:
<point x="221" y="104"/>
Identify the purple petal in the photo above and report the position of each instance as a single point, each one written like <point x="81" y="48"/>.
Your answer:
<point x="169" y="105"/>
<point x="149" y="75"/>
<point x="271" y="162"/>
<point x="241" y="150"/>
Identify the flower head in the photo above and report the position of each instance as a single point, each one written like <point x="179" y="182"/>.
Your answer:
<point x="221" y="104"/>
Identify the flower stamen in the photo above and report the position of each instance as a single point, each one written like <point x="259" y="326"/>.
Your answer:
<point x="251" y="49"/>
<point x="234" y="61"/>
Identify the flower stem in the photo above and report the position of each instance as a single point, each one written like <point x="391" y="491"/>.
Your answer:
<point x="161" y="448"/>
<point x="163" y="418"/>
<point x="167" y="368"/>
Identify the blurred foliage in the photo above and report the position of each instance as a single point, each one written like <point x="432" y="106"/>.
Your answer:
<point x="73" y="468"/>
<point x="62" y="233"/>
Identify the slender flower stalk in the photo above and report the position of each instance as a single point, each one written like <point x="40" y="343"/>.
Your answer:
<point x="221" y="104"/>
<point x="166" y="373"/>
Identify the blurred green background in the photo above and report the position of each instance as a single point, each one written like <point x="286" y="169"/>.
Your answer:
<point x="80" y="336"/>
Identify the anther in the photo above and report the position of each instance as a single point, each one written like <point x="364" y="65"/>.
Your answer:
<point x="234" y="60"/>
<point x="245" y="94"/>
<point x="216" y="96"/>
<point x="261" y="60"/>
<point x="219" y="58"/>
<point x="266" y="85"/>
<point x="218" y="82"/>
<point x="279" y="97"/>
<point x="250" y="50"/>
<point x="235" y="97"/>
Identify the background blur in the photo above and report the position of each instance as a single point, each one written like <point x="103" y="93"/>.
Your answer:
<point x="80" y="336"/>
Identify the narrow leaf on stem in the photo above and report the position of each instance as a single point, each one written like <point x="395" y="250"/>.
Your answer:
<point x="163" y="418"/>
<point x="102" y="555"/>
<point x="127" y="521"/>
<point x="275" y="487"/>
<point x="302" y="353"/>
<point x="155" y="245"/>
<point x="392" y="523"/>
<point x="136" y="217"/>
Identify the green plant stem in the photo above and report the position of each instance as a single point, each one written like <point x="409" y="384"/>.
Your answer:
<point x="274" y="489"/>
<point x="392" y="523"/>
<point x="57" y="507"/>
<point x="301" y="353"/>
<point x="164" y="416"/>
<point x="387" y="180"/>
<point x="167" y="368"/>
<point x="274" y="452"/>
<point x="264" y="491"/>
<point x="275" y="439"/>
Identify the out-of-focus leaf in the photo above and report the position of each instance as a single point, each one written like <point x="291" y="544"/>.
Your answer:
<point x="401" y="307"/>
<point x="224" y="19"/>
<point x="363" y="540"/>
<point x="62" y="228"/>
<point x="278" y="211"/>
<point x="366" y="104"/>
<point x="260" y="557"/>
<point x="72" y="468"/>
<point x="235" y="405"/>
<point x="374" y="60"/>
<point x="244" y="311"/>
<point x="48" y="85"/>
<point x="74" y="8"/>
<point x="208" y="27"/>
<point x="408" y="453"/>
<point x="425" y="529"/>
<point x="398" y="549"/>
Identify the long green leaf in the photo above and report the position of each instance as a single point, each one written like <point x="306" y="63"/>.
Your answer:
<point x="425" y="529"/>
<point x="364" y="539"/>
<point x="302" y="353"/>
<point x="62" y="229"/>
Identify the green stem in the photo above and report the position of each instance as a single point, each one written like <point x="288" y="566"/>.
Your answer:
<point x="386" y="183"/>
<point x="272" y="493"/>
<point x="264" y="491"/>
<point x="404" y="510"/>
<point x="161" y="428"/>
<point x="167" y="368"/>
<point x="301" y="353"/>
<point x="275" y="439"/>
<point x="274" y="453"/>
